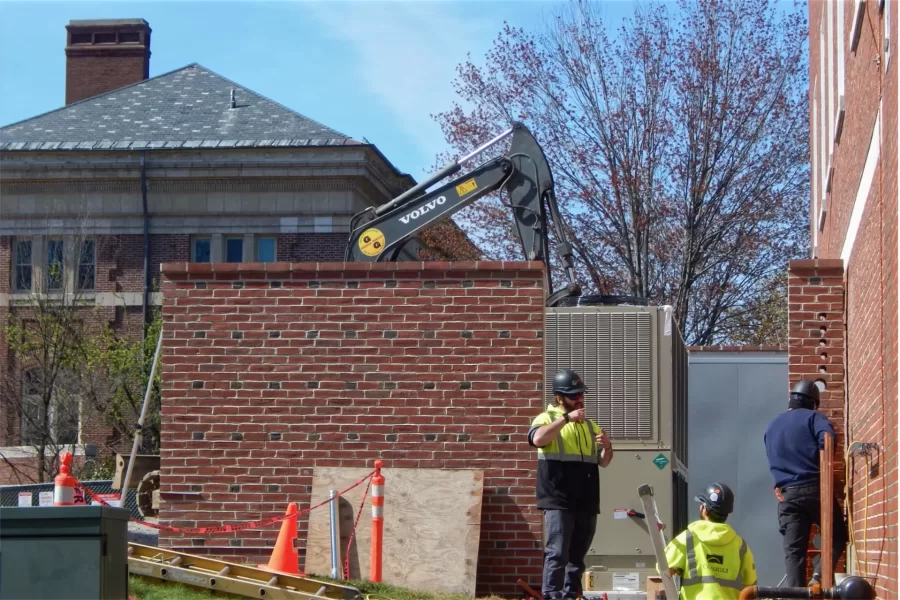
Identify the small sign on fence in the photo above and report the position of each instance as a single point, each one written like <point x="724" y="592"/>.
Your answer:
<point x="45" y="499"/>
<point x="111" y="499"/>
<point x="25" y="499"/>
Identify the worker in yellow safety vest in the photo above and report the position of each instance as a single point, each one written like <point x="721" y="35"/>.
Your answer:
<point x="570" y="450"/>
<point x="714" y="562"/>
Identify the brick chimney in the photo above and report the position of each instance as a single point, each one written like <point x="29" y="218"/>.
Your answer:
<point x="104" y="55"/>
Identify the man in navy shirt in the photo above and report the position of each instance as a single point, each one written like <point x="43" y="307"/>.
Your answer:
<point x="793" y="440"/>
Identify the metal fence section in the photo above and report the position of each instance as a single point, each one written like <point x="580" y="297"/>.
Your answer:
<point x="9" y="494"/>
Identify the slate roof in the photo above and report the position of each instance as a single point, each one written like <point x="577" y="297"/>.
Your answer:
<point x="186" y="108"/>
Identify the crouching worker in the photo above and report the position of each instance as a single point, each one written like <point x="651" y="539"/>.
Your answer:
<point x="713" y="561"/>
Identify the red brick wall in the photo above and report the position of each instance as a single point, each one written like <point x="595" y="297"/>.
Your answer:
<point x="268" y="374"/>
<point x="25" y="471"/>
<point x="816" y="347"/>
<point x="21" y="472"/>
<point x="88" y="76"/>
<point x="863" y="88"/>
<point x="872" y="407"/>
<point x="870" y="277"/>
<point x="316" y="247"/>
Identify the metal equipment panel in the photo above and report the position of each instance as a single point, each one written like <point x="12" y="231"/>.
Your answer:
<point x="618" y="534"/>
<point x="733" y="398"/>
<point x="635" y="365"/>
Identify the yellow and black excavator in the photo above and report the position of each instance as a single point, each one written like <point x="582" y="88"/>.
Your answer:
<point x="380" y="233"/>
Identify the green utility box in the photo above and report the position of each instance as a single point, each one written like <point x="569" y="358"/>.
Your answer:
<point x="71" y="552"/>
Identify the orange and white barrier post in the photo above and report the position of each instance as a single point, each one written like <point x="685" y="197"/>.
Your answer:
<point x="377" y="523"/>
<point x="64" y="483"/>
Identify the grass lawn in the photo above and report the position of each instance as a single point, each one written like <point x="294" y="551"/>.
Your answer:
<point x="141" y="588"/>
<point x="149" y="588"/>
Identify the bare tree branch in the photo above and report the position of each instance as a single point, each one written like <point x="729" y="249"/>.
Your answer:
<point x="679" y="149"/>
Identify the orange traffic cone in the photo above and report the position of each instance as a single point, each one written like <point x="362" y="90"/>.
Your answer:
<point x="285" y="557"/>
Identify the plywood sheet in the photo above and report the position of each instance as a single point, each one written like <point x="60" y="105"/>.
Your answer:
<point x="432" y="524"/>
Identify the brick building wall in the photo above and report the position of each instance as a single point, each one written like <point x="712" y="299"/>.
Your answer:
<point x="318" y="247"/>
<point x="271" y="370"/>
<point x="853" y="223"/>
<point x="119" y="270"/>
<point x="816" y="350"/>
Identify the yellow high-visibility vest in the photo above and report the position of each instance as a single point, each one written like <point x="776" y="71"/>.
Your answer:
<point x="714" y="561"/>
<point x="568" y="467"/>
<point x="575" y="442"/>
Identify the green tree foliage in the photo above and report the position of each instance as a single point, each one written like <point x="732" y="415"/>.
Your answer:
<point x="126" y="364"/>
<point x="72" y="369"/>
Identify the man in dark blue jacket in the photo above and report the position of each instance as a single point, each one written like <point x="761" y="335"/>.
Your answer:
<point x="793" y="440"/>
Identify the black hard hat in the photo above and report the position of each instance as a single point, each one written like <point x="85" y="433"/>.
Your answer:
<point x="718" y="499"/>
<point x="568" y="383"/>
<point x="807" y="389"/>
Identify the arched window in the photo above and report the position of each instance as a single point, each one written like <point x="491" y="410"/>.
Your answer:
<point x="56" y="396"/>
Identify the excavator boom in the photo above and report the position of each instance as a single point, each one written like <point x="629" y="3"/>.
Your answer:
<point x="379" y="234"/>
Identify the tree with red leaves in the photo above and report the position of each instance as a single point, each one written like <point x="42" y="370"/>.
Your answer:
<point x="679" y="149"/>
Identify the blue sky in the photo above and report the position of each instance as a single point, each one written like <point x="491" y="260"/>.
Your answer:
<point x="373" y="69"/>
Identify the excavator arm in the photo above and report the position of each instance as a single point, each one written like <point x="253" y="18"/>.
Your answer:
<point x="380" y="233"/>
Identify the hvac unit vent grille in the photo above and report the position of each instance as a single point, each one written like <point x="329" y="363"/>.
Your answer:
<point x="680" y="503"/>
<point x="612" y="353"/>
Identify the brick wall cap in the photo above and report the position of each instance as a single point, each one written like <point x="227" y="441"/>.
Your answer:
<point x="748" y="348"/>
<point x="181" y="269"/>
<point x="817" y="264"/>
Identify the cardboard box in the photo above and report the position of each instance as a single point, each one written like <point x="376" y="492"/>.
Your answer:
<point x="654" y="587"/>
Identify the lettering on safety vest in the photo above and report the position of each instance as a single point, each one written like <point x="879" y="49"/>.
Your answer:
<point x="691" y="578"/>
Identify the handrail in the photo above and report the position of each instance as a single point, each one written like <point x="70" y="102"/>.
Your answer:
<point x="826" y="511"/>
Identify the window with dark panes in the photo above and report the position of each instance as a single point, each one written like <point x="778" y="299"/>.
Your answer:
<point x="30" y="429"/>
<point x="63" y="410"/>
<point x="234" y="250"/>
<point x="65" y="415"/>
<point x="87" y="265"/>
<point x="55" y="265"/>
<point x="202" y="250"/>
<point x="24" y="269"/>
<point x="265" y="249"/>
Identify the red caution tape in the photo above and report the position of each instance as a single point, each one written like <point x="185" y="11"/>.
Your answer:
<point x="353" y="531"/>
<point x="235" y="526"/>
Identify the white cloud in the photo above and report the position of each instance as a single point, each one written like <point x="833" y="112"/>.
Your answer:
<point x="407" y="56"/>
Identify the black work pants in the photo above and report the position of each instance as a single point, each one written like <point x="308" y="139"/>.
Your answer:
<point x="569" y="536"/>
<point x="797" y="513"/>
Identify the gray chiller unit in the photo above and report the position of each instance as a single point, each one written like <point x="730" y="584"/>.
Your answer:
<point x="633" y="360"/>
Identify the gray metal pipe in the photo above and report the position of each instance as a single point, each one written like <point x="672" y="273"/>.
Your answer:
<point x="140" y="424"/>
<point x="335" y="554"/>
